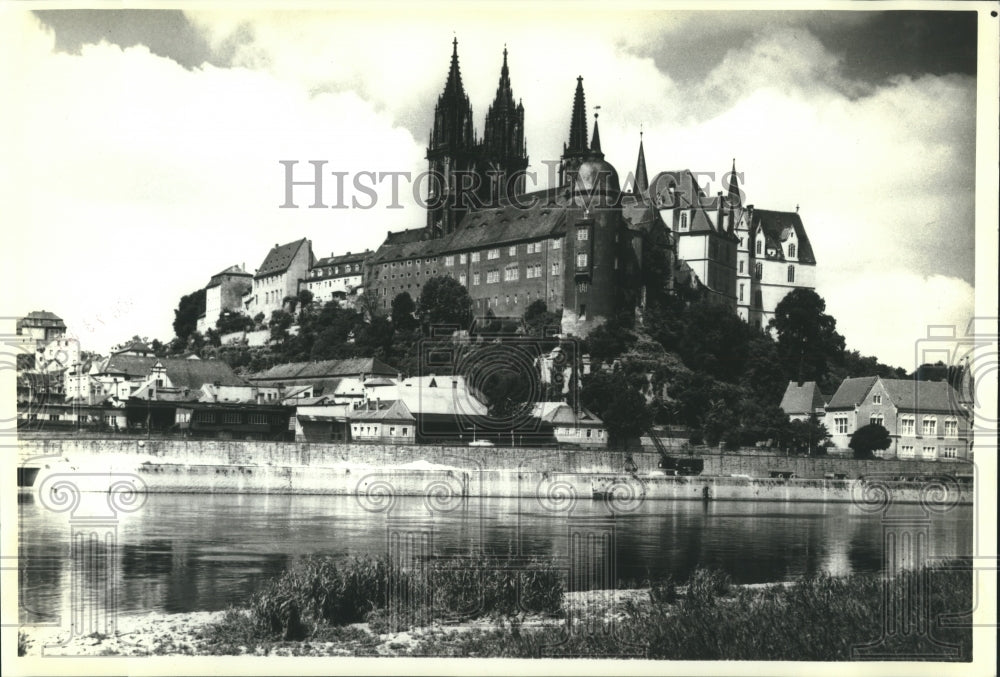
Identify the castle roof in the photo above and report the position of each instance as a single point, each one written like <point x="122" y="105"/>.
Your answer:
<point x="280" y="258"/>
<point x="776" y="227"/>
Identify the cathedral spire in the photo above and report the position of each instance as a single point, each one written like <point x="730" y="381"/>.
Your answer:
<point x="504" y="157"/>
<point x="578" y="122"/>
<point x="641" y="178"/>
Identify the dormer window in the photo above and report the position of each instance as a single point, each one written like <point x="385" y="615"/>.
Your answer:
<point x="760" y="247"/>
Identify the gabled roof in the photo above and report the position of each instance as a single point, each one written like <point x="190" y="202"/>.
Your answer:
<point x="851" y="392"/>
<point x="280" y="258"/>
<point x="134" y="346"/>
<point x="395" y="410"/>
<point x="231" y="271"/>
<point x="193" y="374"/>
<point x="802" y="398"/>
<point x="562" y="413"/>
<point x="356" y="257"/>
<point x="912" y="395"/>
<point x="133" y="366"/>
<point x="776" y="227"/>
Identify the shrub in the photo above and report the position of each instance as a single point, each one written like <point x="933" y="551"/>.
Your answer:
<point x="663" y="591"/>
<point x="705" y="586"/>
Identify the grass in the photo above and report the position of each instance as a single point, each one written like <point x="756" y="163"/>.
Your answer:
<point x="821" y="618"/>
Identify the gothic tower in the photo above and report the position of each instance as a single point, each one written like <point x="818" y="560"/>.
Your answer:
<point x="504" y="156"/>
<point x="451" y="155"/>
<point x="576" y="151"/>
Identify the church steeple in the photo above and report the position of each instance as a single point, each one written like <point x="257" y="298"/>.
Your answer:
<point x="641" y="186"/>
<point x="595" y="143"/>
<point x="451" y="152"/>
<point x="734" y="189"/>
<point x="504" y="154"/>
<point x="576" y="150"/>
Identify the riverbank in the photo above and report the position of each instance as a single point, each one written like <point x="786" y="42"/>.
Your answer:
<point x="821" y="618"/>
<point x="378" y="472"/>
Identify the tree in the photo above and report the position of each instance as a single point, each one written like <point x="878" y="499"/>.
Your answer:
<point x="443" y="301"/>
<point x="231" y="321"/>
<point x="868" y="439"/>
<point x="403" y="312"/>
<point x="504" y="374"/>
<point x="808" y="437"/>
<point x="540" y="322"/>
<point x="622" y="408"/>
<point x="609" y="340"/>
<point x="189" y="309"/>
<point x="305" y="297"/>
<point x="279" y="324"/>
<point x="808" y="342"/>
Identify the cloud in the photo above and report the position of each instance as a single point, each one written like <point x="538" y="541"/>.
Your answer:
<point x="137" y="178"/>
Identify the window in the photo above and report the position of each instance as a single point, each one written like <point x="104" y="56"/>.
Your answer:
<point x="951" y="427"/>
<point x="684" y="221"/>
<point x="493" y="254"/>
<point x="582" y="287"/>
<point x="876" y="399"/>
<point x="791" y="273"/>
<point x="840" y="423"/>
<point x="392" y="430"/>
<point x="556" y="244"/>
<point x="877" y="419"/>
<point x="475" y="278"/>
<point x="230" y="417"/>
<point x="907" y="425"/>
<point x="906" y="451"/>
<point x="204" y="417"/>
<point x="53" y="417"/>
<point x="530" y="248"/>
<point x="405" y="431"/>
<point x="949" y="452"/>
<point x="758" y="270"/>
<point x="929" y="452"/>
<point x="760" y="247"/>
<point x="258" y="419"/>
<point x="581" y="260"/>
<point x="929" y="426"/>
<point x="409" y="263"/>
<point x="507" y="301"/>
<point x="758" y="301"/>
<point x="616" y="263"/>
<point x="555" y="268"/>
<point x="511" y="273"/>
<point x="475" y="257"/>
<point x="741" y="266"/>
<point x="449" y="260"/>
<point x="492" y="276"/>
<point x="582" y="234"/>
<point x="513" y="250"/>
<point x="741" y="292"/>
<point x="583" y="310"/>
<point x="462" y="258"/>
<point x="791" y="250"/>
<point x="462" y="278"/>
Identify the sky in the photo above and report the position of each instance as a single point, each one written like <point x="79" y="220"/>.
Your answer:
<point x="143" y="148"/>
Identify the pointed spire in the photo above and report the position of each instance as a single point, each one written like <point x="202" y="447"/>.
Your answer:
<point x="578" y="122"/>
<point x="734" y="188"/>
<point x="641" y="178"/>
<point x="595" y="143"/>
<point x="453" y="86"/>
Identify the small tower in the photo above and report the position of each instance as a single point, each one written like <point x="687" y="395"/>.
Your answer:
<point x="641" y="185"/>
<point x="576" y="150"/>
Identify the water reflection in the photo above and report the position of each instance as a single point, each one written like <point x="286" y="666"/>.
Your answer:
<point x="205" y="552"/>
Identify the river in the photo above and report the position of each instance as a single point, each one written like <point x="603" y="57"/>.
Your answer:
<point x="204" y="552"/>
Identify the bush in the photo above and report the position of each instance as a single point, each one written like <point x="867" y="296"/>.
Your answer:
<point x="705" y="586"/>
<point x="663" y="591"/>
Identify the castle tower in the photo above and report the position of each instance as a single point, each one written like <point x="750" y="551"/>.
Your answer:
<point x="504" y="155"/>
<point x="451" y="155"/>
<point x="641" y="185"/>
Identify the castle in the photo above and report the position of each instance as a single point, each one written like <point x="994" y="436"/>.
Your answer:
<point x="584" y="246"/>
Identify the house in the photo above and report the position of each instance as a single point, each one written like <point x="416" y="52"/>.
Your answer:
<point x="572" y="427"/>
<point x="336" y="278"/>
<point x="278" y="278"/>
<point x="38" y="328"/>
<point x="803" y="400"/>
<point x="384" y="422"/>
<point x="326" y="377"/>
<point x="224" y="293"/>
<point x="925" y="419"/>
<point x="57" y="355"/>
<point x="320" y="419"/>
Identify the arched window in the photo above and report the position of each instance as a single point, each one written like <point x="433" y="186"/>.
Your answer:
<point x="760" y="247"/>
<point x="684" y="221"/>
<point x="791" y="273"/>
<point x="791" y="250"/>
<point x="758" y="270"/>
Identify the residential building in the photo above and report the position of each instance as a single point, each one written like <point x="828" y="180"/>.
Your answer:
<point x="279" y="278"/>
<point x="224" y="293"/>
<point x="384" y="422"/>
<point x="925" y="419"/>
<point x="337" y="278"/>
<point x="581" y="427"/>
<point x="326" y="377"/>
<point x="39" y="327"/>
<point x="803" y="400"/>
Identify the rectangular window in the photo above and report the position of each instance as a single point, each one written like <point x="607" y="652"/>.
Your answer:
<point x="529" y="248"/>
<point x="877" y="420"/>
<point x="461" y="278"/>
<point x="582" y="287"/>
<point x="556" y="244"/>
<point x="511" y="273"/>
<point x="840" y="422"/>
<point x="583" y="310"/>
<point x="392" y="430"/>
<point x="513" y="250"/>
<point x="475" y="278"/>
<point x="405" y="430"/>
<point x="949" y="452"/>
<point x="449" y="260"/>
<point x="204" y="417"/>
<point x="741" y="288"/>
<point x="929" y="427"/>
<point x="258" y="419"/>
<point x="907" y="425"/>
<point x="493" y="254"/>
<point x="475" y="257"/>
<point x="462" y="258"/>
<point x="581" y="260"/>
<point x="582" y="234"/>
<point x="555" y="268"/>
<point x="930" y="452"/>
<point x="951" y="428"/>
<point x="906" y="451"/>
<point x="230" y="417"/>
<point x="492" y="276"/>
<point x="876" y="399"/>
<point x="741" y="266"/>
